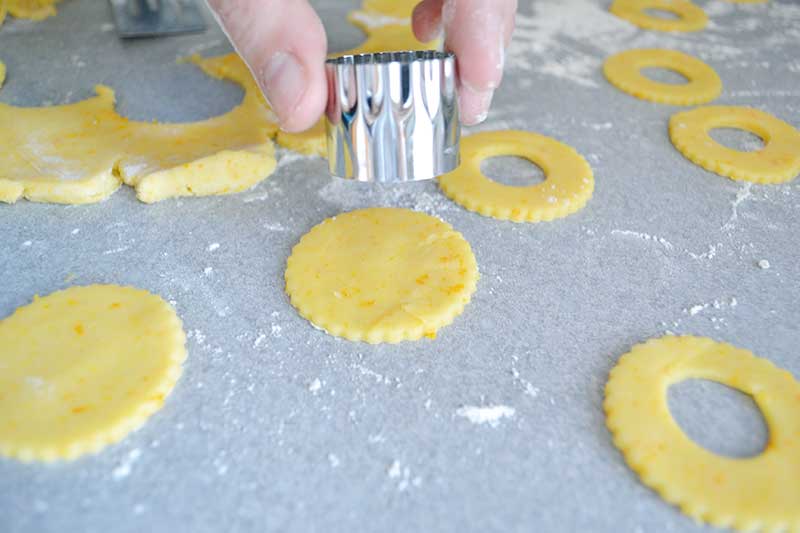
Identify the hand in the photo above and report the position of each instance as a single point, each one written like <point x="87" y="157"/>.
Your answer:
<point x="478" y="32"/>
<point x="284" y="43"/>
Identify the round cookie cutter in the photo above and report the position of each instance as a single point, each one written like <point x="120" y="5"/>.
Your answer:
<point x="392" y="116"/>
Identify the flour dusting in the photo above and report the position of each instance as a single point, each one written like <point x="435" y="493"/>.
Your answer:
<point x="491" y="414"/>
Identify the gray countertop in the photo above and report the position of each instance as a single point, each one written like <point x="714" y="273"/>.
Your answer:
<point x="276" y="426"/>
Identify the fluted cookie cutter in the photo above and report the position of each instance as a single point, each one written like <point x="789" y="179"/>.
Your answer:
<point x="393" y="116"/>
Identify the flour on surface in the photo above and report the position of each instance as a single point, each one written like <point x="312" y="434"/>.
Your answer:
<point x="123" y="469"/>
<point x="490" y="414"/>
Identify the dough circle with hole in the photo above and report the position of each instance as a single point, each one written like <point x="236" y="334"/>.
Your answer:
<point x="777" y="162"/>
<point x="691" y="17"/>
<point x="752" y="493"/>
<point x="567" y="187"/>
<point x="82" y="368"/>
<point x="623" y="70"/>
<point x="381" y="275"/>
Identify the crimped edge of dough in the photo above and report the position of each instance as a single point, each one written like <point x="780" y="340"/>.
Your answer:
<point x="635" y="89"/>
<point x="560" y="209"/>
<point x="383" y="335"/>
<point x="698" y="157"/>
<point x="94" y="443"/>
<point x="693" y="18"/>
<point x="627" y="446"/>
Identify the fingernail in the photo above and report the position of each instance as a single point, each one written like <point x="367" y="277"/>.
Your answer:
<point x="284" y="82"/>
<point x="475" y="105"/>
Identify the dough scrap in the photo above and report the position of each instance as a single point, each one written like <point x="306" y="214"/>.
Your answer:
<point x="84" y="367"/>
<point x="748" y="494"/>
<point x="623" y="70"/>
<point x="79" y="153"/>
<point x="224" y="154"/>
<point x="381" y="275"/>
<point x="692" y="18"/>
<point x="568" y="185"/>
<point x="777" y="162"/>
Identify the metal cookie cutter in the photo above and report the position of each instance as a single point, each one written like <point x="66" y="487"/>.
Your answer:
<point x="392" y="117"/>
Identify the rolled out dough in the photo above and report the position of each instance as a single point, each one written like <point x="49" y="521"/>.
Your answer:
<point x="80" y="153"/>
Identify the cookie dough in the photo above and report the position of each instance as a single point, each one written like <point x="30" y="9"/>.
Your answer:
<point x="748" y="494"/>
<point x="386" y="38"/>
<point x="28" y="9"/>
<point x="568" y="184"/>
<point x="313" y="141"/>
<point x="381" y="275"/>
<point x="623" y="70"/>
<point x="84" y="367"/>
<point x="391" y="8"/>
<point x="224" y="154"/>
<point x="777" y="162"/>
<point x="80" y="153"/>
<point x="692" y="18"/>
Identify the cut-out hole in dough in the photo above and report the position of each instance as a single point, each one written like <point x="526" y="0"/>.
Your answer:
<point x="737" y="139"/>
<point x="665" y="75"/>
<point x="719" y="418"/>
<point x="513" y="171"/>
<point x="662" y="14"/>
<point x="167" y="101"/>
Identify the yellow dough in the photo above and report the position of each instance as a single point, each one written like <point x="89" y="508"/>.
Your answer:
<point x="82" y="368"/>
<point x="623" y="70"/>
<point x="568" y="184"/>
<point x="79" y="153"/>
<point x="224" y="154"/>
<point x="391" y="8"/>
<point x="381" y="275"/>
<point x="386" y="38"/>
<point x="310" y="142"/>
<point x="761" y="492"/>
<point x="692" y="18"/>
<point x="777" y="162"/>
<point x="64" y="154"/>
<point x="28" y="9"/>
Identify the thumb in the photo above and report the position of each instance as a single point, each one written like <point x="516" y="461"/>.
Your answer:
<point x="284" y="44"/>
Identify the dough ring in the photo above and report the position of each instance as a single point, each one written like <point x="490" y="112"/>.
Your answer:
<point x="623" y="70"/>
<point x="568" y="184"/>
<point x="759" y="492"/>
<point x="381" y="275"/>
<point x="82" y="368"/>
<point x="692" y="18"/>
<point x="777" y="162"/>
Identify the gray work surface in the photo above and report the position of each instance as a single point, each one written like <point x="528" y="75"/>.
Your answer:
<point x="276" y="426"/>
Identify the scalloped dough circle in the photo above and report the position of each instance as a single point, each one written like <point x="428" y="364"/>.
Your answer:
<point x="568" y="184"/>
<point x="84" y="367"/>
<point x="82" y="152"/>
<point x="691" y="17"/>
<point x="623" y="70"/>
<point x="381" y="275"/>
<point x="777" y="162"/>
<point x="748" y="494"/>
